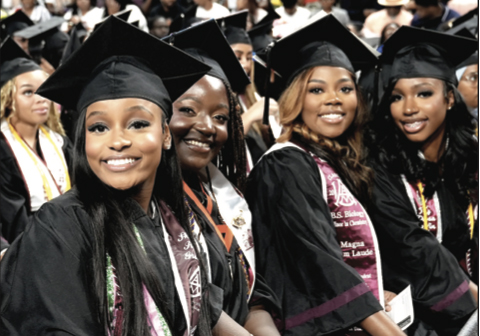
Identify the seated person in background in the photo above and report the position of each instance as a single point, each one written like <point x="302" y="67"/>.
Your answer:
<point x="159" y="26"/>
<point x="328" y="6"/>
<point x="255" y="13"/>
<point x="359" y="10"/>
<point x="169" y="9"/>
<point x="34" y="153"/>
<point x="208" y="9"/>
<point x="393" y="12"/>
<point x="292" y="17"/>
<point x="35" y="11"/>
<point x="430" y="14"/>
<point x="84" y="11"/>
<point x="467" y="76"/>
<point x="115" y="6"/>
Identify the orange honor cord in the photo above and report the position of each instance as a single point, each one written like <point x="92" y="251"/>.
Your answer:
<point x="222" y="230"/>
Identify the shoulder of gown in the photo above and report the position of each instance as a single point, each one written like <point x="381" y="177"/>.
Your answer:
<point x="413" y="256"/>
<point x="296" y="248"/>
<point x="46" y="274"/>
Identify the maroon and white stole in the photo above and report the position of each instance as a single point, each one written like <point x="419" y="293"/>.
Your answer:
<point x="430" y="215"/>
<point x="355" y="232"/>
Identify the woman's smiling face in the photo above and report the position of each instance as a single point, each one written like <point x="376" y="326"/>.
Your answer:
<point x="330" y="102"/>
<point x="124" y="141"/>
<point x="419" y="107"/>
<point x="199" y="123"/>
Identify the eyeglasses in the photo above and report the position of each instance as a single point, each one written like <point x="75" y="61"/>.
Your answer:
<point x="472" y="78"/>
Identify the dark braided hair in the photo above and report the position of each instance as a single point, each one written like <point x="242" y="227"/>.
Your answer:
<point x="232" y="157"/>
<point x="459" y="164"/>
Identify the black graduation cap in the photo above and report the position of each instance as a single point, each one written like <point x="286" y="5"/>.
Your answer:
<point x="261" y="35"/>
<point x="325" y="42"/>
<point x="472" y="59"/>
<point x="42" y="29"/>
<point x="184" y="20"/>
<point x="122" y="15"/>
<point x="234" y="27"/>
<point x="15" y="22"/>
<point x="118" y="61"/>
<point x="413" y="52"/>
<point x="207" y="43"/>
<point x="14" y="61"/>
<point x="468" y="21"/>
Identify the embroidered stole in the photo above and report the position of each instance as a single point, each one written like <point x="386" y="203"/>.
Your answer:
<point x="45" y="179"/>
<point x="430" y="215"/>
<point x="355" y="232"/>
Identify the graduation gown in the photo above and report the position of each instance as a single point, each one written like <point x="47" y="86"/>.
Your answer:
<point x="297" y="251"/>
<point x="228" y="279"/>
<point x="14" y="195"/>
<point x="412" y="255"/>
<point x="46" y="274"/>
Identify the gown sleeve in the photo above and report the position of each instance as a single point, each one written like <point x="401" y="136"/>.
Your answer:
<point x="296" y="248"/>
<point x="14" y="198"/>
<point x="413" y="256"/>
<point x="45" y="277"/>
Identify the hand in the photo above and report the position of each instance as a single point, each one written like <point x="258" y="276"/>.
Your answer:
<point x="2" y="254"/>
<point x="388" y="297"/>
<point x="75" y="19"/>
<point x="255" y="113"/>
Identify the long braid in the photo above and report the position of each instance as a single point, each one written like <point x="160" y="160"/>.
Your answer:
<point x="232" y="158"/>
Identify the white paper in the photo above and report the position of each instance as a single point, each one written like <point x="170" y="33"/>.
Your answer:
<point x="402" y="309"/>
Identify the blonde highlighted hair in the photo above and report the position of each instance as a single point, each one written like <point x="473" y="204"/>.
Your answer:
<point x="345" y="154"/>
<point x="7" y="107"/>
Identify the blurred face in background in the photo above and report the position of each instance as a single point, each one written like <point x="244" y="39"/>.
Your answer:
<point x="160" y="27"/>
<point x="244" y="54"/>
<point x="468" y="86"/>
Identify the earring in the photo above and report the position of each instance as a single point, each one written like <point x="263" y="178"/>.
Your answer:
<point x="167" y="147"/>
<point x="449" y="108"/>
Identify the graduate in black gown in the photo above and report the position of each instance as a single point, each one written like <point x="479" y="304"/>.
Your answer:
<point x="35" y="155"/>
<point x="314" y="242"/>
<point x="206" y="126"/>
<point x="114" y="256"/>
<point x="426" y="178"/>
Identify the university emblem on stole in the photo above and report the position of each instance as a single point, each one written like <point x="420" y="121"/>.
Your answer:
<point x="239" y="221"/>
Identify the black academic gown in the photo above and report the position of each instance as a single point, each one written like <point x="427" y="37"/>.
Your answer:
<point x="411" y="255"/>
<point x="296" y="247"/>
<point x="228" y="277"/>
<point x="46" y="274"/>
<point x="14" y="196"/>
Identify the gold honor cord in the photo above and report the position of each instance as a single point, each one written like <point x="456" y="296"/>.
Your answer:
<point x="424" y="207"/>
<point x="46" y="185"/>
<point x="425" y="217"/>
<point x="67" y="176"/>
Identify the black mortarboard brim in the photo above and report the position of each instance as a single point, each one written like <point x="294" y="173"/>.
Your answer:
<point x="234" y="27"/>
<point x="472" y="59"/>
<point x="207" y="43"/>
<point x="122" y="15"/>
<point x="468" y="21"/>
<point x="412" y="52"/>
<point x="325" y="42"/>
<point x="14" y="61"/>
<point x="261" y="35"/>
<point x="121" y="61"/>
<point x="184" y="20"/>
<point x="42" y="29"/>
<point x="13" y="23"/>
